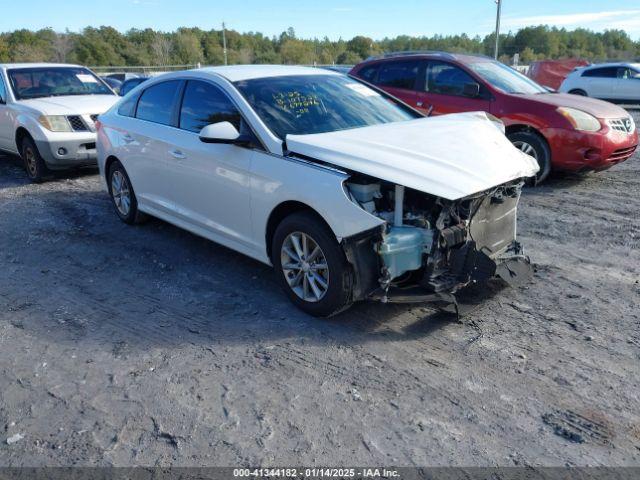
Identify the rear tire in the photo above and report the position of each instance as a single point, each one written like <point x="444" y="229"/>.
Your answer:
<point x="534" y="145"/>
<point x="580" y="92"/>
<point x="321" y="292"/>
<point x="122" y="195"/>
<point x="33" y="162"/>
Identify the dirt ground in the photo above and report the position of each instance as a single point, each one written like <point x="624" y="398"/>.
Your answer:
<point x="149" y="346"/>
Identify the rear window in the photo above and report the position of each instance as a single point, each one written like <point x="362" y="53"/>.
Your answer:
<point x="3" y="90"/>
<point x="128" y="107"/>
<point x="368" y="73"/>
<point x="157" y="102"/>
<point x="606" y="72"/>
<point x="398" y="74"/>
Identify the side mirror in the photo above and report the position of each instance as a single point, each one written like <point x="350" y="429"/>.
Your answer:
<point x="471" y="90"/>
<point x="221" y="132"/>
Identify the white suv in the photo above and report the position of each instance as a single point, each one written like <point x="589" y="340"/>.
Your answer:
<point x="347" y="192"/>
<point x="615" y="82"/>
<point x="48" y="114"/>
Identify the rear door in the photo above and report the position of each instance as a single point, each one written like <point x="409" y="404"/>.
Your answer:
<point x="600" y="82"/>
<point x="6" y="123"/>
<point x="400" y="79"/>
<point x="627" y="85"/>
<point x="146" y="139"/>
<point x="443" y="90"/>
<point x="210" y="182"/>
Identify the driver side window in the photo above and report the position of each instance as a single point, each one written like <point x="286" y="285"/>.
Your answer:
<point x="446" y="79"/>
<point x="204" y="104"/>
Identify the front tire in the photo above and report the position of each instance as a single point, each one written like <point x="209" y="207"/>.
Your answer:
<point x="534" y="145"/>
<point x="311" y="266"/>
<point x="33" y="162"/>
<point x="122" y="195"/>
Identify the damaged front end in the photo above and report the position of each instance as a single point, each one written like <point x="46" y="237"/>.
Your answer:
<point x="428" y="247"/>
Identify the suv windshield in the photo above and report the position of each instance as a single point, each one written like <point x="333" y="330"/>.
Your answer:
<point x="55" y="81"/>
<point x="506" y="78"/>
<point x="304" y="104"/>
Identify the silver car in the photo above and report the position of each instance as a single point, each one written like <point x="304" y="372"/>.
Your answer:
<point x="48" y="113"/>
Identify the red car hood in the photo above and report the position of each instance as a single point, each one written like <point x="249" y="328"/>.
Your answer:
<point x="597" y="108"/>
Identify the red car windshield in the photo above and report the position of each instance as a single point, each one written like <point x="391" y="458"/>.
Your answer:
<point x="506" y="78"/>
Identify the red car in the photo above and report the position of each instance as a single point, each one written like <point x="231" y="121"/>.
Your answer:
<point x="563" y="132"/>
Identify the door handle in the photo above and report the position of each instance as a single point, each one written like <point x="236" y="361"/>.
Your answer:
<point x="128" y="138"/>
<point x="177" y="154"/>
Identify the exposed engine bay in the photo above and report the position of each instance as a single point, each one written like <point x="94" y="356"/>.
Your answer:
<point x="430" y="245"/>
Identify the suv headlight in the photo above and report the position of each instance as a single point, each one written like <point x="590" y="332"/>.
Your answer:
<point x="55" y="123"/>
<point x="580" y="120"/>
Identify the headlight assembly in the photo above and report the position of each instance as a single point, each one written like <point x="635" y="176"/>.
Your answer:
<point x="580" y="120"/>
<point x="55" y="123"/>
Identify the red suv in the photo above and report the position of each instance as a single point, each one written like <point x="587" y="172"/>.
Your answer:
<point x="561" y="131"/>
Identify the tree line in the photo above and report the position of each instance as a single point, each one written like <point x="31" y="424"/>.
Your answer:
<point x="109" y="47"/>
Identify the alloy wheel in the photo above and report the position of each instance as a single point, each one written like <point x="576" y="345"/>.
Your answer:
<point x="121" y="192"/>
<point x="305" y="267"/>
<point x="526" y="148"/>
<point x="30" y="160"/>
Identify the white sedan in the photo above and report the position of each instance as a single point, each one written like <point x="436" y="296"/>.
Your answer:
<point x="614" y="82"/>
<point x="347" y="192"/>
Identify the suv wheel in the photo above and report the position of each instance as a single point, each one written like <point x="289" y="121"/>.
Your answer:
<point x="311" y="266"/>
<point x="33" y="162"/>
<point x="582" y="93"/>
<point x="534" y="145"/>
<point x="122" y="195"/>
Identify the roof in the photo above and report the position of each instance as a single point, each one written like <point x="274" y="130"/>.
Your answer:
<point x="612" y="64"/>
<point x="235" y="73"/>
<point x="37" y="65"/>
<point x="431" y="54"/>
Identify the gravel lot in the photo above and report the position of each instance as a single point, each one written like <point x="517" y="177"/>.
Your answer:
<point x="150" y="346"/>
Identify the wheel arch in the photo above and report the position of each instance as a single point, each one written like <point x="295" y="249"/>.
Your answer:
<point x="21" y="134"/>
<point x="108" y="162"/>
<point x="523" y="127"/>
<point x="282" y="211"/>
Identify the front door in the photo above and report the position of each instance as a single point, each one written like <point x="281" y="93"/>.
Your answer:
<point x="444" y="90"/>
<point x="210" y="181"/>
<point x="628" y="85"/>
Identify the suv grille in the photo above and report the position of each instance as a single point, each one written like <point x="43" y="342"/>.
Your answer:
<point x="625" y="125"/>
<point x="77" y="123"/>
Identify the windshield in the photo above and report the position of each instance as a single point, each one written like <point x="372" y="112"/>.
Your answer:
<point x="506" y="78"/>
<point x="55" y="81"/>
<point x="304" y="104"/>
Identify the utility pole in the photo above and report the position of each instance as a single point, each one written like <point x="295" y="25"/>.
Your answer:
<point x="224" y="43"/>
<point x="495" y="52"/>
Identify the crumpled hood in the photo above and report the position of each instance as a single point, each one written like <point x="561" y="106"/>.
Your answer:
<point x="449" y="156"/>
<point x="72" y="104"/>
<point x="593" y="106"/>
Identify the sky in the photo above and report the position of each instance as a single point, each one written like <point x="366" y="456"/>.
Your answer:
<point x="332" y="18"/>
